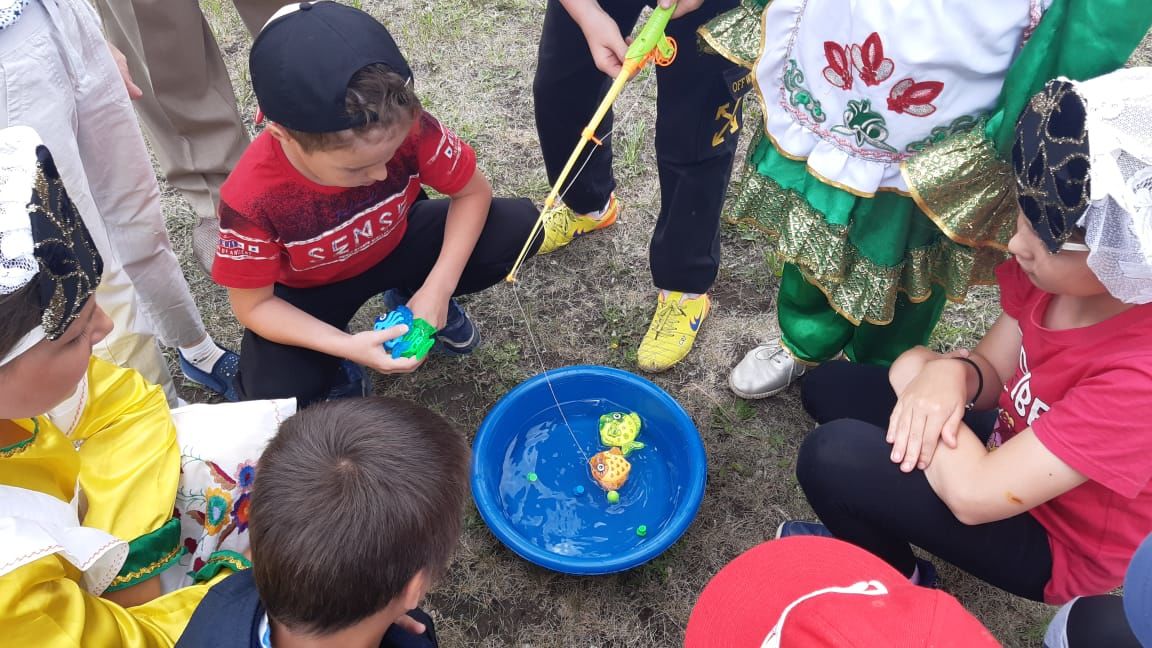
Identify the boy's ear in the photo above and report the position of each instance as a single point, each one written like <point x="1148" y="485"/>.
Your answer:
<point x="415" y="590"/>
<point x="277" y="131"/>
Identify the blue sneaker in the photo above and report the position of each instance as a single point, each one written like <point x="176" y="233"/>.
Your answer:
<point x="354" y="384"/>
<point x="928" y="576"/>
<point x="459" y="335"/>
<point x="800" y="528"/>
<point x="222" y="378"/>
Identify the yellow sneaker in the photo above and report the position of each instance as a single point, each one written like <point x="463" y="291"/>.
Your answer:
<point x="673" y="330"/>
<point x="564" y="225"/>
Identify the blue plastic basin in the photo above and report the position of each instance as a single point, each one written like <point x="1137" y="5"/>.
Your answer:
<point x="533" y="487"/>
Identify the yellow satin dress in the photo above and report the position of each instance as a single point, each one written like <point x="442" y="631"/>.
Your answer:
<point x="124" y="456"/>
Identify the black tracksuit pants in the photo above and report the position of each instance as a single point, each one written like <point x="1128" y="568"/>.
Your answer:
<point x="272" y="370"/>
<point x="697" y="125"/>
<point x="863" y="498"/>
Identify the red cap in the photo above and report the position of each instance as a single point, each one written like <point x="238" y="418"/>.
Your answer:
<point x="811" y="591"/>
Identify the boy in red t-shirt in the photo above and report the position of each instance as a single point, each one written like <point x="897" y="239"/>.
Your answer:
<point x="1044" y="488"/>
<point x="327" y="209"/>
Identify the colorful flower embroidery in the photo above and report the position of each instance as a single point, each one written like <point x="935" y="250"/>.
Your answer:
<point x="839" y="71"/>
<point x="245" y="474"/>
<point x="217" y="510"/>
<point x="961" y="124"/>
<point x="914" y="97"/>
<point x="798" y="95"/>
<point x="865" y="124"/>
<point x="240" y="512"/>
<point x="869" y="61"/>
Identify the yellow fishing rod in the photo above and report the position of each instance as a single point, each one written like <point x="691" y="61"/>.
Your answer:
<point x="651" y="44"/>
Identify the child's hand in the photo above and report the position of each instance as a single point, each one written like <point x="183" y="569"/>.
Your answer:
<point x="605" y="41"/>
<point x="134" y="91"/>
<point x="367" y="348"/>
<point x="682" y="7"/>
<point x="430" y="305"/>
<point x="931" y="406"/>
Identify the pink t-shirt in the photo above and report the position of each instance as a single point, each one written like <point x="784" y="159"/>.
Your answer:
<point x="1087" y="395"/>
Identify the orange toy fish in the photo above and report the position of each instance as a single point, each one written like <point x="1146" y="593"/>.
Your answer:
<point x="610" y="469"/>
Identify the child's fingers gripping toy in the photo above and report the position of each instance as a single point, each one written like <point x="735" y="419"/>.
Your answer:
<point x="416" y="343"/>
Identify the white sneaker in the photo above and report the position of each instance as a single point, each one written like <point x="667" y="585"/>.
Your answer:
<point x="765" y="371"/>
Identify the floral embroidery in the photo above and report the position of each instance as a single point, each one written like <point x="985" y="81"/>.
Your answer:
<point x="216" y="510"/>
<point x="961" y="124"/>
<point x="869" y="61"/>
<point x="240" y="512"/>
<point x="800" y="96"/>
<point x="838" y="72"/>
<point x="865" y="124"/>
<point x="245" y="475"/>
<point x="914" y="97"/>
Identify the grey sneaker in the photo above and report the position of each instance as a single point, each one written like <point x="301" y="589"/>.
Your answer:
<point x="765" y="371"/>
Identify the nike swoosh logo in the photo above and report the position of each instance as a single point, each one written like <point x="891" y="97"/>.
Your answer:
<point x="695" y="324"/>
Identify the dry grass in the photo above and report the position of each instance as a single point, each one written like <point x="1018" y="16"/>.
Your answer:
<point x="473" y="64"/>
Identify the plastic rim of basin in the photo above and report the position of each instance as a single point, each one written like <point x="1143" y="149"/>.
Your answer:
<point x="486" y="472"/>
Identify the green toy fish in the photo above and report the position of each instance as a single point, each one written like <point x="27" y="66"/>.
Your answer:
<point x="620" y="430"/>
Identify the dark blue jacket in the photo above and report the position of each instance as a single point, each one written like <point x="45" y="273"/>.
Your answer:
<point x="230" y="615"/>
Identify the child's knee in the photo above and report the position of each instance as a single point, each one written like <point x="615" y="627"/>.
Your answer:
<point x="837" y="454"/>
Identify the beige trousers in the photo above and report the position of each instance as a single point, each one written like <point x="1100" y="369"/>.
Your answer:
<point x="57" y="76"/>
<point x="188" y="109"/>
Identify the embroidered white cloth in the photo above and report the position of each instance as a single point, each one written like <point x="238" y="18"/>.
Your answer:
<point x="857" y="86"/>
<point x="219" y="447"/>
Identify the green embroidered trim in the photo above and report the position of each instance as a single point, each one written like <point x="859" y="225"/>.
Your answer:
<point x="217" y="561"/>
<point x="866" y="125"/>
<point x="21" y="446"/>
<point x="149" y="555"/>
<point x="799" y="95"/>
<point x="961" y="124"/>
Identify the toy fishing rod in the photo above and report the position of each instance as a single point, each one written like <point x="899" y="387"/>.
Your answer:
<point x="651" y="44"/>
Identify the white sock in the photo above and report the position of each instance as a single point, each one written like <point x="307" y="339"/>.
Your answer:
<point x="600" y="213"/>
<point x="915" y="577"/>
<point x="203" y="356"/>
<point x="683" y="297"/>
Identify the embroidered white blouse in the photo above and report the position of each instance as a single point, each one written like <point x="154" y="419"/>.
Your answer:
<point x="856" y="86"/>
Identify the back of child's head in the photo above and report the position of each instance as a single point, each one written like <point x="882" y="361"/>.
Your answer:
<point x="353" y="499"/>
<point x="328" y="72"/>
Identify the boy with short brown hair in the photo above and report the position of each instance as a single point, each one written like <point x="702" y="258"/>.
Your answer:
<point x="355" y="512"/>
<point x="327" y="209"/>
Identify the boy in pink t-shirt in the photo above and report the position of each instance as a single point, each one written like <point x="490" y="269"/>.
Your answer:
<point x="1026" y="461"/>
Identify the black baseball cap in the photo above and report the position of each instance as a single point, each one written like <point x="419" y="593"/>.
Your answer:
<point x="304" y="58"/>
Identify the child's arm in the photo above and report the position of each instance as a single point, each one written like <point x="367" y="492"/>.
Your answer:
<point x="278" y="321"/>
<point x="934" y="390"/>
<point x="980" y="486"/>
<point x="467" y="214"/>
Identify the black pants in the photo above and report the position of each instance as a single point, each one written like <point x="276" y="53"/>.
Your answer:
<point x="1099" y="621"/>
<point x="863" y="498"/>
<point x="697" y="119"/>
<point x="272" y="370"/>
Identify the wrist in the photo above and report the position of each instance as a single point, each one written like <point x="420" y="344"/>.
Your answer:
<point x="970" y="367"/>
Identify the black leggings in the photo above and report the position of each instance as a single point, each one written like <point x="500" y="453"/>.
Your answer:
<point x="272" y="370"/>
<point x="862" y="497"/>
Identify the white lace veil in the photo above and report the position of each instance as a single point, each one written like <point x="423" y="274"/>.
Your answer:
<point x="1118" y="220"/>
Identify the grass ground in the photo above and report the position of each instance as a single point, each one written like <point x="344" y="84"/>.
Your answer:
<point x="473" y="64"/>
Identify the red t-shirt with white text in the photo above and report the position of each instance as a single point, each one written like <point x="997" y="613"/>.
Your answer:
<point x="1087" y="395"/>
<point x="276" y="226"/>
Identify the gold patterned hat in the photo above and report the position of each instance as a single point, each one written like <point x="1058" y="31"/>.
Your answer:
<point x="42" y="238"/>
<point x="1052" y="163"/>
